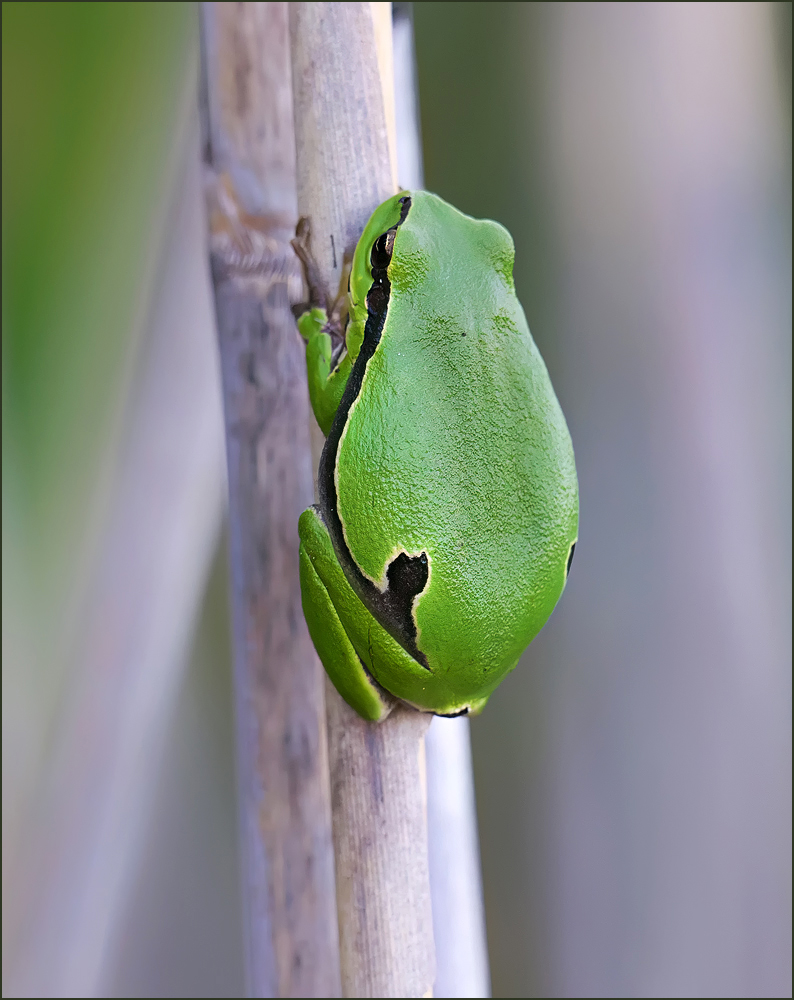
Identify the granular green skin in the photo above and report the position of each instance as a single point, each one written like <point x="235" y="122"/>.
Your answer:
<point x="456" y="447"/>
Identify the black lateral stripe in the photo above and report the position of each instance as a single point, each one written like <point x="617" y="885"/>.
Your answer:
<point x="392" y="610"/>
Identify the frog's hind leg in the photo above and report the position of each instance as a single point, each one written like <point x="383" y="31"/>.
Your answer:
<point x="342" y="664"/>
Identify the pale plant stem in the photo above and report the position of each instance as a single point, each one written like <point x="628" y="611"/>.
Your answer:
<point x="346" y="165"/>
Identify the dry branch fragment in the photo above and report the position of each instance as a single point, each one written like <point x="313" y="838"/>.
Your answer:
<point x="288" y="881"/>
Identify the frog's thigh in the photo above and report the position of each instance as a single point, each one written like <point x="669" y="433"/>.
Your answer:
<point x="382" y="656"/>
<point x="335" y="649"/>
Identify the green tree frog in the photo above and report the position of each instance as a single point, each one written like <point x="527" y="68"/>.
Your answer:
<point x="448" y="498"/>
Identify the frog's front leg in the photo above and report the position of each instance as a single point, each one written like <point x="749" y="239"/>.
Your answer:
<point x="326" y="379"/>
<point x="324" y="326"/>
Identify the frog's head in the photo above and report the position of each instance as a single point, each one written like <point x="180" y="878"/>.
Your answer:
<point x="374" y="253"/>
<point x="416" y="237"/>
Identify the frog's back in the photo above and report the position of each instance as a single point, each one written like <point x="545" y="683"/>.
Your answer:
<point x="456" y="447"/>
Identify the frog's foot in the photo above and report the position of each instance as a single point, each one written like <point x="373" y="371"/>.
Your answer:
<point x="334" y="313"/>
<point x="318" y="291"/>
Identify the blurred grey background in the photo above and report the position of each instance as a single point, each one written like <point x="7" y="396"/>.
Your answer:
<point x="633" y="774"/>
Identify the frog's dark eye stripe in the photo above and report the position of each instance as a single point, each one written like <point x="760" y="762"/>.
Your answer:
<point x="378" y="295"/>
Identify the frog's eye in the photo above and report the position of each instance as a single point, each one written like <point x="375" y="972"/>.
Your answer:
<point x="570" y="559"/>
<point x="382" y="250"/>
<point x="378" y="295"/>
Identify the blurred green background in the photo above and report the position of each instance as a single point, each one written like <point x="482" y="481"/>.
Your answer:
<point x="91" y="97"/>
<point x="633" y="775"/>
